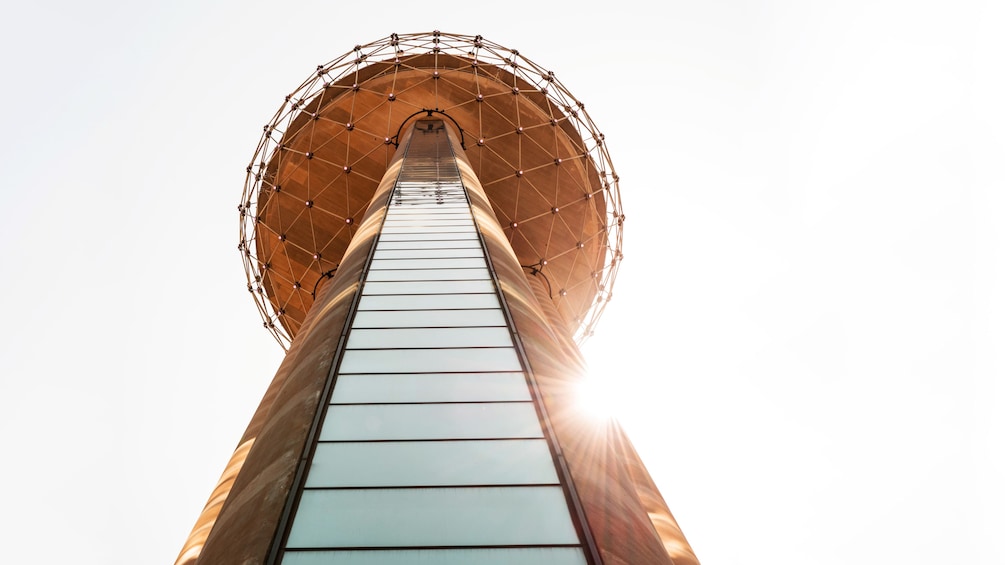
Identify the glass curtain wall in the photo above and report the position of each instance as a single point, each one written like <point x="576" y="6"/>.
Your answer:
<point x="431" y="450"/>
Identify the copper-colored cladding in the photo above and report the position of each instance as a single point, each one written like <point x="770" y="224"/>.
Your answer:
<point x="540" y="177"/>
<point x="626" y="519"/>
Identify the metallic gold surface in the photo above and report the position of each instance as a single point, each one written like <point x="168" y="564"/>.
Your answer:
<point x="242" y="517"/>
<point x="629" y="520"/>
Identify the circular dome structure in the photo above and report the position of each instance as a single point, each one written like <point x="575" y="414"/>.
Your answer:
<point x="541" y="160"/>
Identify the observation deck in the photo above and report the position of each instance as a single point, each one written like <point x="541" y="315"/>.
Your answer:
<point x="539" y="157"/>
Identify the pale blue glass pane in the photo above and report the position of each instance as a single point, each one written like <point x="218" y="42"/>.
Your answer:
<point x="427" y="287"/>
<point x="431" y="387"/>
<point x="432" y="463"/>
<point x="446" y="223"/>
<point x="350" y="422"/>
<point x="386" y="230"/>
<point x="399" y="212"/>
<point x="432" y="517"/>
<point x="424" y="211"/>
<point x="396" y="338"/>
<point x="473" y="556"/>
<point x="469" y="243"/>
<point x="427" y="253"/>
<point x="428" y="318"/>
<point x="428" y="263"/>
<point x="429" y="275"/>
<point x="427" y="222"/>
<point x="429" y="360"/>
<point x="428" y="301"/>
<point x="427" y="236"/>
<point x="416" y="203"/>
<point x="461" y="218"/>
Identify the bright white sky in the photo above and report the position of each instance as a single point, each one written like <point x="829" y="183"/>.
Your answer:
<point x="807" y="336"/>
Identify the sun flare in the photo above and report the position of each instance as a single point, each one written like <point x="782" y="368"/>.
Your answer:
<point x="598" y="398"/>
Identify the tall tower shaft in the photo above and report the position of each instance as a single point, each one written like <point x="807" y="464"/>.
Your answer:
<point x="425" y="411"/>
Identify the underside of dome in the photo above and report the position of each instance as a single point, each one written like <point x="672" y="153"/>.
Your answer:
<point x="542" y="163"/>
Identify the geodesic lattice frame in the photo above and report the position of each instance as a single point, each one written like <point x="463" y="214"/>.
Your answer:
<point x="397" y="49"/>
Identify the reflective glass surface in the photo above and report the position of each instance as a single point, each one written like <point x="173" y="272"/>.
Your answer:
<point x="419" y="253"/>
<point x="427" y="222"/>
<point x="429" y="275"/>
<point x="438" y="236"/>
<point x="431" y="387"/>
<point x="428" y="318"/>
<point x="429" y="360"/>
<point x="431" y="451"/>
<point x="427" y="263"/>
<point x="459" y="209"/>
<point x="362" y="338"/>
<point x="390" y="229"/>
<point x="472" y="556"/>
<point x="432" y="463"/>
<point x="430" y="421"/>
<point x="432" y="517"/>
<point x="428" y="287"/>
<point x="463" y="243"/>
<point x="428" y="301"/>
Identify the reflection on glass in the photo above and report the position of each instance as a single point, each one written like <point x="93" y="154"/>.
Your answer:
<point x="428" y="318"/>
<point x="432" y="463"/>
<point x="440" y="263"/>
<point x="428" y="301"/>
<point x="388" y="230"/>
<point x="465" y="243"/>
<point x="420" y="253"/>
<point x="350" y="422"/>
<point x="432" y="517"/>
<point x="429" y="275"/>
<point x="427" y="287"/>
<point x="431" y="387"/>
<point x="464" y="556"/>
<point x="425" y="212"/>
<point x="439" y="236"/>
<point x="429" y="360"/>
<point x="364" y="338"/>
<point x="432" y="223"/>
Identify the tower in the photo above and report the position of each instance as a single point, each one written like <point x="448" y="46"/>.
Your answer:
<point x="430" y="222"/>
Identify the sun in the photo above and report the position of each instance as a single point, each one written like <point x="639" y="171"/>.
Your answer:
<point x="599" y="398"/>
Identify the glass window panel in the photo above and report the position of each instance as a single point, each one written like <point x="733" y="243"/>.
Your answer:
<point x="424" y="253"/>
<point x="439" y="209"/>
<point x="428" y="301"/>
<point x="432" y="517"/>
<point x="428" y="222"/>
<point x="392" y="229"/>
<point x="407" y="187"/>
<point x="432" y="463"/>
<point x="362" y="422"/>
<point x="427" y="287"/>
<point x="441" y="360"/>
<point x="439" y="236"/>
<point x="417" y="201"/>
<point x="364" y="338"/>
<point x="428" y="263"/>
<point x="461" y="556"/>
<point x="428" y="275"/>
<point x="428" y="318"/>
<point x="430" y="387"/>
<point x="453" y="210"/>
<point x="455" y="219"/>
<point x="445" y="187"/>
<point x="470" y="243"/>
